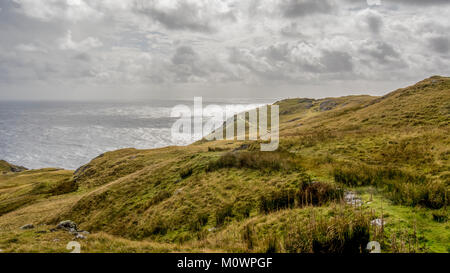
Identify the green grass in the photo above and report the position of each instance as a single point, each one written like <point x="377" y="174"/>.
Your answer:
<point x="227" y="196"/>
<point x="403" y="221"/>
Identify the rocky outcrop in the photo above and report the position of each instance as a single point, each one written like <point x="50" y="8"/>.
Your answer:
<point x="28" y="226"/>
<point x="6" y="167"/>
<point x="72" y="228"/>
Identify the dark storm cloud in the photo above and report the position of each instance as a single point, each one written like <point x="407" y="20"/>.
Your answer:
<point x="375" y="23"/>
<point x="381" y="52"/>
<point x="420" y="2"/>
<point x="186" y="63"/>
<point x="152" y="44"/>
<point x="440" y="44"/>
<point x="336" y="61"/>
<point x="401" y="2"/>
<point x="183" y="16"/>
<point x="299" y="8"/>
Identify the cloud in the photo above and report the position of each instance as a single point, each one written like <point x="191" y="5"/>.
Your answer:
<point x="419" y="2"/>
<point x="192" y="44"/>
<point x="47" y="10"/>
<point x="199" y="16"/>
<point x="336" y="61"/>
<point x="440" y="44"/>
<point x="299" y="8"/>
<point x="67" y="43"/>
<point x="375" y="23"/>
<point x="30" y="48"/>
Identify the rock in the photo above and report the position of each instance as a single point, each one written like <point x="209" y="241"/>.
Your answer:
<point x="352" y="199"/>
<point x="67" y="225"/>
<point x="73" y="231"/>
<point x="327" y="105"/>
<point x="84" y="232"/>
<point x="377" y="222"/>
<point x="28" y="226"/>
<point x="80" y="236"/>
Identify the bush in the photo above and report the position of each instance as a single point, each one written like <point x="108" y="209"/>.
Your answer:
<point x="340" y="234"/>
<point x="158" y="198"/>
<point x="402" y="187"/>
<point x="306" y="193"/>
<point x="63" y="187"/>
<point x="363" y="175"/>
<point x="264" y="161"/>
<point x="440" y="216"/>
<point x="198" y="222"/>
<point x="223" y="213"/>
<point x="186" y="172"/>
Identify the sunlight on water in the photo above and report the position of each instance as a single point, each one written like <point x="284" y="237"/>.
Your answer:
<point x="70" y="134"/>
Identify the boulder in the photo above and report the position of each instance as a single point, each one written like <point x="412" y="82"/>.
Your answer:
<point x="28" y="226"/>
<point x="67" y="225"/>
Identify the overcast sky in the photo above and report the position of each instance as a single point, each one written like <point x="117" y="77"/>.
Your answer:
<point x="134" y="49"/>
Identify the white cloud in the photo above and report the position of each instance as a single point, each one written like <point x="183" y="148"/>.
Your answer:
<point x="67" y="43"/>
<point x="30" y="48"/>
<point x="250" y="44"/>
<point x="47" y="10"/>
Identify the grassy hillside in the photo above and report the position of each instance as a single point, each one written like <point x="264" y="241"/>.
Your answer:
<point x="6" y="167"/>
<point x="215" y="196"/>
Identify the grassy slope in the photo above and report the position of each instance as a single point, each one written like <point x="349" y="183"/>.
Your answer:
<point x="171" y="199"/>
<point x="5" y="167"/>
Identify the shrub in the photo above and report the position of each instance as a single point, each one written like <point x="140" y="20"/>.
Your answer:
<point x="186" y="172"/>
<point x="248" y="236"/>
<point x="440" y="216"/>
<point x="158" y="198"/>
<point x="348" y="233"/>
<point x="306" y="193"/>
<point x="402" y="187"/>
<point x="223" y="213"/>
<point x="199" y="221"/>
<point x="264" y="161"/>
<point x="63" y="187"/>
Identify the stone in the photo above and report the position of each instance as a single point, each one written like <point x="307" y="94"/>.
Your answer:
<point x="352" y="199"/>
<point x="377" y="222"/>
<point x="327" y="105"/>
<point x="80" y="236"/>
<point x="67" y="225"/>
<point x="28" y="226"/>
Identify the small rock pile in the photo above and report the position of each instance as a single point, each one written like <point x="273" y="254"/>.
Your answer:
<point x="72" y="228"/>
<point x="66" y="225"/>
<point x="352" y="198"/>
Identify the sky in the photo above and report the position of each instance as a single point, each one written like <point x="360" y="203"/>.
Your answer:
<point x="139" y="49"/>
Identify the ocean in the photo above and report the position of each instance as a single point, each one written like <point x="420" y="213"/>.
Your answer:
<point x="69" y="134"/>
